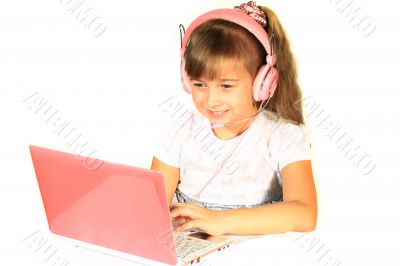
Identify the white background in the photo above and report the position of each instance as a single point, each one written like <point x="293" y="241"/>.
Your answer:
<point x="110" y="87"/>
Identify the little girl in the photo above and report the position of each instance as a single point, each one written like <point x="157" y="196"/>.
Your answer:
<point x="240" y="164"/>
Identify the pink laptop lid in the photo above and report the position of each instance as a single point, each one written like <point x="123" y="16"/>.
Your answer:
<point x="115" y="206"/>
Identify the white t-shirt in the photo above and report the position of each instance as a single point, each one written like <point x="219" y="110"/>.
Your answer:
<point x="250" y="174"/>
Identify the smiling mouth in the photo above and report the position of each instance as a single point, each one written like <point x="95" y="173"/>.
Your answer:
<point x="217" y="114"/>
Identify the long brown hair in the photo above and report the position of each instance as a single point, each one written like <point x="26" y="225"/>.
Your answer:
<point x="217" y="40"/>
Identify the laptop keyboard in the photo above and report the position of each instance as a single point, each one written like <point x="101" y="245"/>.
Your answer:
<point x="187" y="246"/>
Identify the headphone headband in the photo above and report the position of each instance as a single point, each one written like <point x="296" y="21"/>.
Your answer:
<point x="232" y="15"/>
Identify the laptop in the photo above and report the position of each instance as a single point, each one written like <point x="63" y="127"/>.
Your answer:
<point x="115" y="209"/>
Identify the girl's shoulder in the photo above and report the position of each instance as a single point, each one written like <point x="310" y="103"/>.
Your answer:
<point x="282" y="130"/>
<point x="286" y="141"/>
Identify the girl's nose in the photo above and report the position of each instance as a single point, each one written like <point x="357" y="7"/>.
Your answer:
<point x="214" y="97"/>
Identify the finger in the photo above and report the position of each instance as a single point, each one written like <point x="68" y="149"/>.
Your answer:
<point x="179" y="212"/>
<point x="175" y="205"/>
<point x="181" y="219"/>
<point x="192" y="224"/>
<point x="184" y="211"/>
<point x="179" y="204"/>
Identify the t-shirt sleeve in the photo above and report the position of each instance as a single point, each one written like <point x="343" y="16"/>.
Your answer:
<point x="292" y="144"/>
<point x="169" y="145"/>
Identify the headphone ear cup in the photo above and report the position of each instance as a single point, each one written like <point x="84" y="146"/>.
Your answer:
<point x="270" y="84"/>
<point x="274" y="81"/>
<point x="258" y="80"/>
<point x="184" y="78"/>
<point x="265" y="83"/>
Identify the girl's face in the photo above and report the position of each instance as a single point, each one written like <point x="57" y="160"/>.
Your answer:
<point x="226" y="99"/>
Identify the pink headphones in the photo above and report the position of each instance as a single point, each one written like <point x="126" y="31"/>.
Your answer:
<point x="265" y="82"/>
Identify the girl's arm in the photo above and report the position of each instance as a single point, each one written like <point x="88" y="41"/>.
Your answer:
<point x="297" y="212"/>
<point x="171" y="177"/>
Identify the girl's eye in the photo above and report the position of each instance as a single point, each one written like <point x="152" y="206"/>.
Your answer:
<point x="226" y="86"/>
<point x="198" y="85"/>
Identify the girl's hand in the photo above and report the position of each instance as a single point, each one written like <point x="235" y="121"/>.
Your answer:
<point x="194" y="216"/>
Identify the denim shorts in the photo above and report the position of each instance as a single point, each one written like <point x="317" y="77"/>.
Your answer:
<point x="182" y="197"/>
